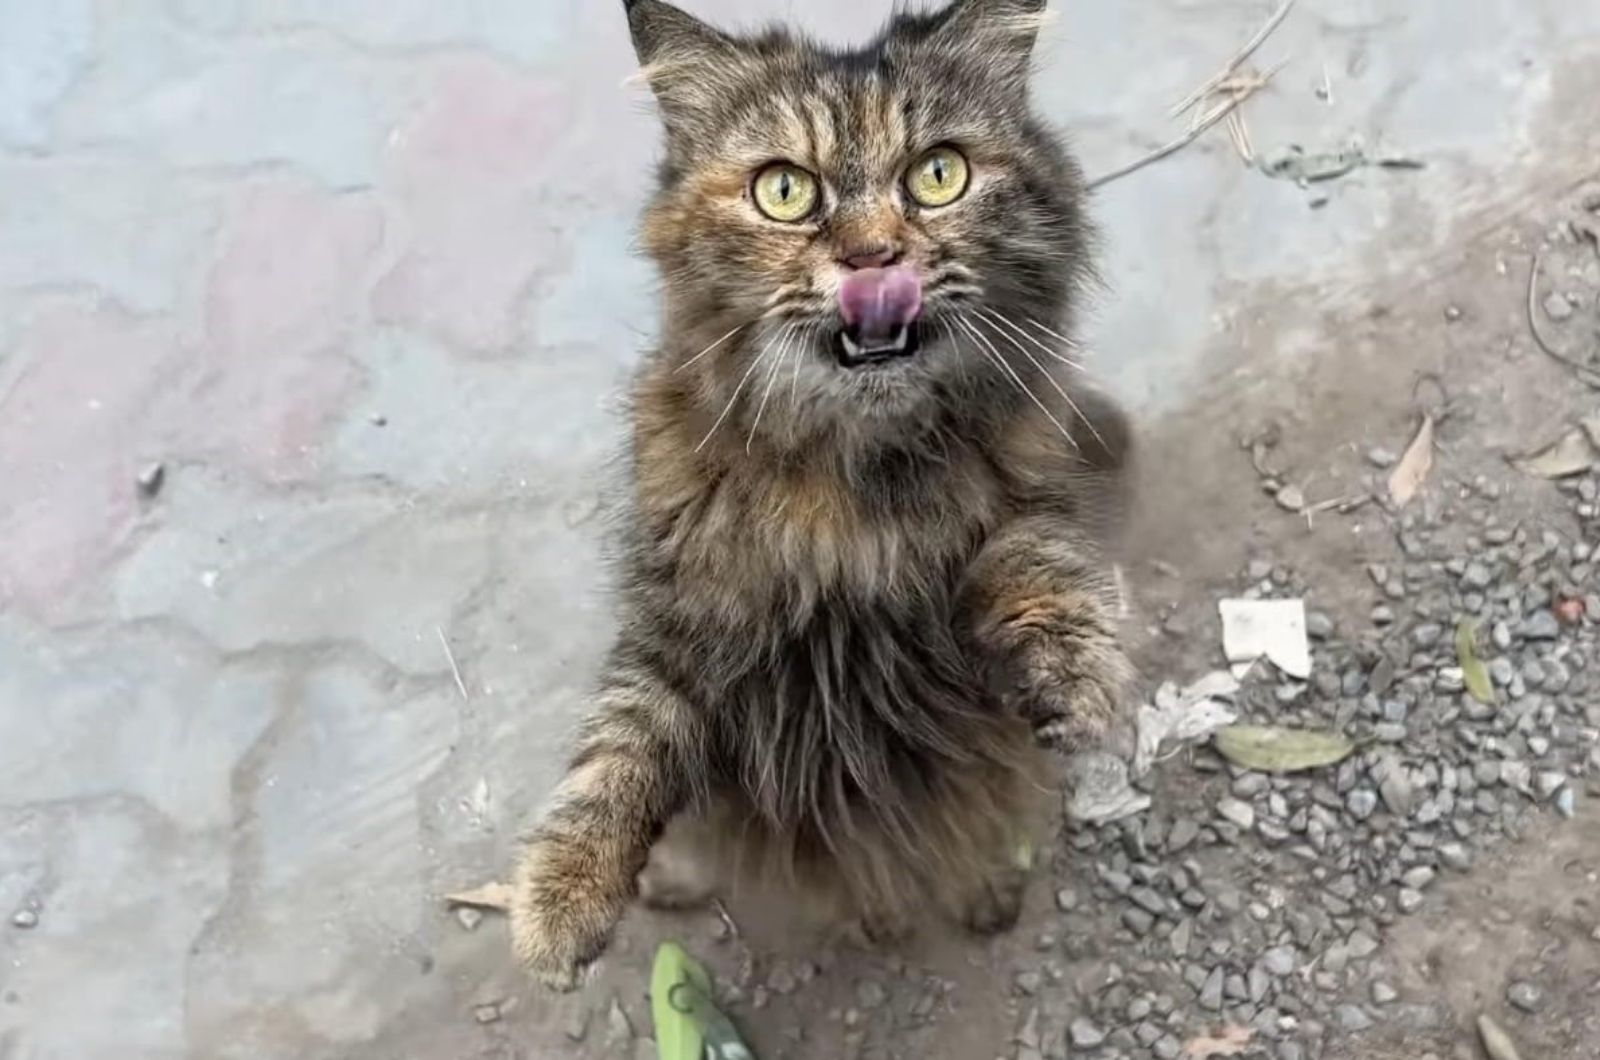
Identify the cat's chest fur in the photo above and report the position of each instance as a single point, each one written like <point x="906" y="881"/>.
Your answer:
<point x="749" y="543"/>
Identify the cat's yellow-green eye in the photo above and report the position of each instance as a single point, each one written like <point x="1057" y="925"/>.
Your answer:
<point x="785" y="192"/>
<point x="937" y="178"/>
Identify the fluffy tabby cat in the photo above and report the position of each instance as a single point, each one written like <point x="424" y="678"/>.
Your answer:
<point x="860" y="563"/>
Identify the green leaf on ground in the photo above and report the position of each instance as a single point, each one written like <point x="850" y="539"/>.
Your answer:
<point x="1473" y="673"/>
<point x="1274" y="749"/>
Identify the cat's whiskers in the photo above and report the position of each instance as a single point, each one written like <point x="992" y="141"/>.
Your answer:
<point x="1068" y="343"/>
<point x="737" y="390"/>
<point x="711" y="347"/>
<point x="799" y="358"/>
<point x="999" y="360"/>
<point x="1054" y="383"/>
<point x="772" y="377"/>
<point x="997" y="316"/>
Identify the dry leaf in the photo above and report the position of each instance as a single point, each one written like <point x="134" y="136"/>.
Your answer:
<point x="1473" y="673"/>
<point x="1272" y="749"/>
<point x="496" y="896"/>
<point x="1412" y="470"/>
<point x="1229" y="1041"/>
<point x="1571" y="454"/>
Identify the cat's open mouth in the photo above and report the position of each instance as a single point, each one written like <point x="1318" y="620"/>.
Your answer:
<point x="858" y="350"/>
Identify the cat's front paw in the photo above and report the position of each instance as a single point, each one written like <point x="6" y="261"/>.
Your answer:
<point x="561" y="918"/>
<point x="1073" y="694"/>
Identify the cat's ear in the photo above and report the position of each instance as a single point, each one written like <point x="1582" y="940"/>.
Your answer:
<point x="1000" y="32"/>
<point x="676" y="51"/>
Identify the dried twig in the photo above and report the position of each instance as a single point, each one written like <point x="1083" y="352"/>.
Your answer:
<point x="1583" y="371"/>
<point x="1210" y="118"/>
<point x="1240" y="56"/>
<point x="726" y="917"/>
<point x="450" y="657"/>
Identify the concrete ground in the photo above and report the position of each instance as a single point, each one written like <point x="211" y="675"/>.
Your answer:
<point x="356" y="276"/>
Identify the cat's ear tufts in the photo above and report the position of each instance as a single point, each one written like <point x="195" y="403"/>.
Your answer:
<point x="1001" y="32"/>
<point x="667" y="35"/>
<point x="679" y="56"/>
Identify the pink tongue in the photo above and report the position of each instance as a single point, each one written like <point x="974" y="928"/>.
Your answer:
<point x="878" y="302"/>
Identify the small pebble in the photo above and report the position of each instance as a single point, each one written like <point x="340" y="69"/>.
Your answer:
<point x="1361" y="803"/>
<point x="1278" y="961"/>
<point x="1557" y="307"/>
<point x="1237" y="812"/>
<point x="1084" y="1034"/>
<point x="25" y="919"/>
<point x="1066" y="899"/>
<point x="1380" y="457"/>
<point x="1525" y="995"/>
<point x="151" y="478"/>
<point x="1541" y="625"/>
<point x="1383" y="993"/>
<point x="870" y="994"/>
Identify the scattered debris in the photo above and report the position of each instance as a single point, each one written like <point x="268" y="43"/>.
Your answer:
<point x="729" y="925"/>
<point x="1098" y="791"/>
<point x="1274" y="629"/>
<point x="1181" y="717"/>
<point x="1575" y="452"/>
<point x="151" y="478"/>
<point x="1229" y="1041"/>
<point x="1496" y="1042"/>
<point x="495" y="896"/>
<point x="1474" y="675"/>
<point x="1412" y="470"/>
<point x="1583" y="371"/>
<point x="1294" y="163"/>
<point x="486" y="1013"/>
<point x="1229" y="83"/>
<point x="450" y="657"/>
<point x="1275" y="749"/>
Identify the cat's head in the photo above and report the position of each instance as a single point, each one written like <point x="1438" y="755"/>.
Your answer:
<point x="887" y="232"/>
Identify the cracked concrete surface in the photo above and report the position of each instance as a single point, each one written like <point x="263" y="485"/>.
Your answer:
<point x="357" y="274"/>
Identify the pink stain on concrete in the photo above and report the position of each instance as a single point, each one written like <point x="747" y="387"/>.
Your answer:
<point x="285" y="296"/>
<point x="74" y="430"/>
<point x="472" y="174"/>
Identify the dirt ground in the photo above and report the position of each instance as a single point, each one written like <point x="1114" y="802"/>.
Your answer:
<point x="1453" y="337"/>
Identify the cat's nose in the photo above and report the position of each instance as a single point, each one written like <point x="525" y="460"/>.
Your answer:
<point x="875" y="257"/>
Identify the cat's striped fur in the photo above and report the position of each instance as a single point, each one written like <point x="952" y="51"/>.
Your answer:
<point x="846" y="606"/>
